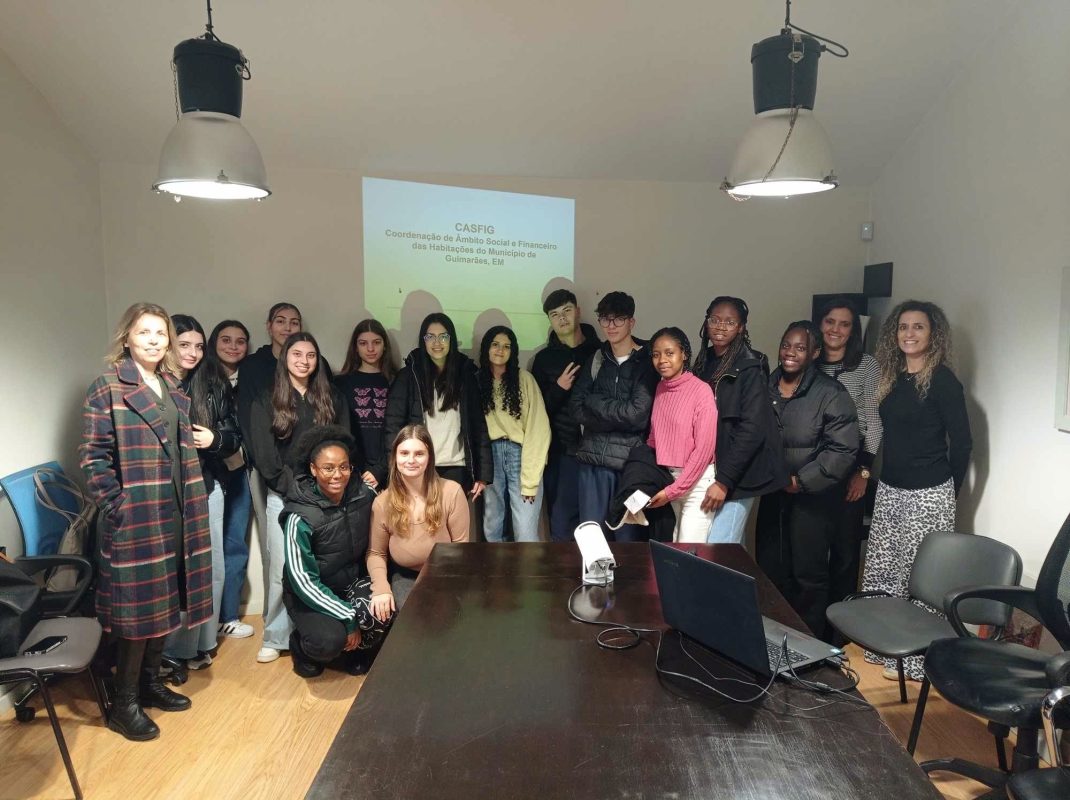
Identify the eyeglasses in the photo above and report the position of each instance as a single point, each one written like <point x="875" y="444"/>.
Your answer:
<point x="442" y="337"/>
<point x="330" y="469"/>
<point x="717" y="322"/>
<point x="612" y="322"/>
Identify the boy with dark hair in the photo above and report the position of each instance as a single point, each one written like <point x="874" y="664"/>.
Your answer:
<point x="612" y="400"/>
<point x="555" y="367"/>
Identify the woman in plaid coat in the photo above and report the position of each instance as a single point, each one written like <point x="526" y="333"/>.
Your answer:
<point x="142" y="470"/>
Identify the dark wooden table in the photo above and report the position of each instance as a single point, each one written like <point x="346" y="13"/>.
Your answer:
<point x="487" y="689"/>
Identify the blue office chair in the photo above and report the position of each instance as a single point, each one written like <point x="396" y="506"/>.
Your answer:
<point x="42" y="528"/>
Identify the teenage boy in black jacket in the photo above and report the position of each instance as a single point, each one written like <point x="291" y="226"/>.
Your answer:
<point x="612" y="400"/>
<point x="555" y="368"/>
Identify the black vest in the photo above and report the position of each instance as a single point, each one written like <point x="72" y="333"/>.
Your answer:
<point x="339" y="532"/>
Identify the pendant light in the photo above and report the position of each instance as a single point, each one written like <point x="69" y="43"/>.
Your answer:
<point x="208" y="153"/>
<point x="786" y="151"/>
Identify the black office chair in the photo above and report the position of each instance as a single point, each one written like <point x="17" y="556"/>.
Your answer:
<point x="894" y="627"/>
<point x="1044" y="784"/>
<point x="1003" y="682"/>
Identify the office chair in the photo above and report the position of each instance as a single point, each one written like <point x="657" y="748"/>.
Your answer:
<point x="74" y="655"/>
<point x="43" y="526"/>
<point x="1044" y="784"/>
<point x="1003" y="682"/>
<point x="894" y="627"/>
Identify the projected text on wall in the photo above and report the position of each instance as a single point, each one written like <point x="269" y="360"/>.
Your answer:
<point x="476" y="252"/>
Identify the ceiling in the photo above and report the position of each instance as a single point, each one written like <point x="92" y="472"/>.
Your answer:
<point x="612" y="89"/>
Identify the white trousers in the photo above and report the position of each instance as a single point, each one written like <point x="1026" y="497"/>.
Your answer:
<point x="692" y="523"/>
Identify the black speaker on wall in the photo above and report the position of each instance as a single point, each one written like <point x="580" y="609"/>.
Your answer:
<point x="878" y="280"/>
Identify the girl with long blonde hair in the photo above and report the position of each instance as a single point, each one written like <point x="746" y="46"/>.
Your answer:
<point x="417" y="510"/>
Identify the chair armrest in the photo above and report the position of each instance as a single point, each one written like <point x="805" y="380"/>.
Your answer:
<point x="70" y="598"/>
<point x="31" y="565"/>
<point x="1058" y="671"/>
<point x="1019" y="597"/>
<point x="862" y="595"/>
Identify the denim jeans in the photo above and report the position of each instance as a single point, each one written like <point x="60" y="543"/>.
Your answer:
<point x="730" y="522"/>
<point x="237" y="505"/>
<point x="561" y="481"/>
<point x="597" y="485"/>
<point x="506" y="490"/>
<point x="186" y="641"/>
<point x="277" y="623"/>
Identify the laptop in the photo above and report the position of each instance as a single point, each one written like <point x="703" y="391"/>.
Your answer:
<point x="718" y="607"/>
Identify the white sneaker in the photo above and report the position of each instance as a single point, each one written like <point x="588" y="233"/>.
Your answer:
<point x="236" y="629"/>
<point x="267" y="655"/>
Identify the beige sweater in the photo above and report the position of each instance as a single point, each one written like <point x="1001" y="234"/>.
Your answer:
<point x="413" y="550"/>
<point x="531" y="431"/>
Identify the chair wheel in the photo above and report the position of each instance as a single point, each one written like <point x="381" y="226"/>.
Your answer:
<point x="25" y="713"/>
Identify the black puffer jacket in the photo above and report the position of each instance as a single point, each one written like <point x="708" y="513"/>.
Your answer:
<point x="339" y="532"/>
<point x="818" y="428"/>
<point x="749" y="458"/>
<point x="547" y="367"/>
<point x="223" y="422"/>
<point x="613" y="402"/>
<point x="404" y="406"/>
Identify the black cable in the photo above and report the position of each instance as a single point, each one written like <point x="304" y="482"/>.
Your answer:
<point x="633" y="634"/>
<point x="788" y="24"/>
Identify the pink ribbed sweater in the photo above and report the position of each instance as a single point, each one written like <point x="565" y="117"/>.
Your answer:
<point x="683" y="429"/>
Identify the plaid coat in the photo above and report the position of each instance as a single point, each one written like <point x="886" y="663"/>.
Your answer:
<point x="125" y="455"/>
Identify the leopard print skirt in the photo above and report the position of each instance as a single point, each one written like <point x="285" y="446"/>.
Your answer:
<point x="901" y="519"/>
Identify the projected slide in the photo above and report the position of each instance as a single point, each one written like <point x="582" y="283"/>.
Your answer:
<point x="473" y="250"/>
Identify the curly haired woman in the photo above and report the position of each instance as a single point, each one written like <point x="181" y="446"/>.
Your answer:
<point x="927" y="448"/>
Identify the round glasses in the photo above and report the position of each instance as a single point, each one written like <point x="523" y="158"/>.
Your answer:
<point x="441" y="337"/>
<point x="330" y="469"/>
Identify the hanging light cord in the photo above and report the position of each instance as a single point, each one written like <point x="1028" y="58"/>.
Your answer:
<point x="840" y="50"/>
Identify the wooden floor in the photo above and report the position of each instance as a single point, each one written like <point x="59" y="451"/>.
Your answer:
<point x="259" y="731"/>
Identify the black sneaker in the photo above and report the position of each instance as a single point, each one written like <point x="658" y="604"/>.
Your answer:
<point x="302" y="664"/>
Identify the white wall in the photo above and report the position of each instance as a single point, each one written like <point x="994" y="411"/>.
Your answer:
<point x="673" y="246"/>
<point x="52" y="298"/>
<point x="975" y="213"/>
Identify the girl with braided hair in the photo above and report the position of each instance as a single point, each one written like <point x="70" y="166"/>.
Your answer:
<point x="683" y="434"/>
<point x="927" y="445"/>
<point x="519" y="431"/>
<point x="748" y="454"/>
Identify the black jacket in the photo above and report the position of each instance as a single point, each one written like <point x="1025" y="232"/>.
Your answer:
<point x="271" y="454"/>
<point x="613" y="402"/>
<point x="256" y="376"/>
<point x="818" y="428"/>
<point x="404" y="406"/>
<point x="547" y="367"/>
<point x="749" y="458"/>
<point x="643" y="473"/>
<point x="223" y="422"/>
<point x="340" y="533"/>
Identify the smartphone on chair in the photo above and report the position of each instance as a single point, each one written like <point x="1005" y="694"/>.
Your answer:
<point x="46" y="645"/>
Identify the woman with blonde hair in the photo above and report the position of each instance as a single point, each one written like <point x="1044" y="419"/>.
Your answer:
<point x="140" y="462"/>
<point x="927" y="446"/>
<point x="417" y="510"/>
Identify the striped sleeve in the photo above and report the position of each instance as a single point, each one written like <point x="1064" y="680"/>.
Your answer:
<point x="304" y="575"/>
<point x="869" y="418"/>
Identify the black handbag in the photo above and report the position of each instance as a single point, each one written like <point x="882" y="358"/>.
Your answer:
<point x="20" y="607"/>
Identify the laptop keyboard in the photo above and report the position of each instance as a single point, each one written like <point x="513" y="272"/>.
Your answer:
<point x="776" y="654"/>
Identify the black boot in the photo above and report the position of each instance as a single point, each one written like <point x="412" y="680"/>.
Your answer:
<point x="302" y="664"/>
<point x="154" y="694"/>
<point x="126" y="715"/>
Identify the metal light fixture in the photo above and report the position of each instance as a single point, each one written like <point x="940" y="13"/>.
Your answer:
<point x="209" y="153"/>
<point x="785" y="152"/>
